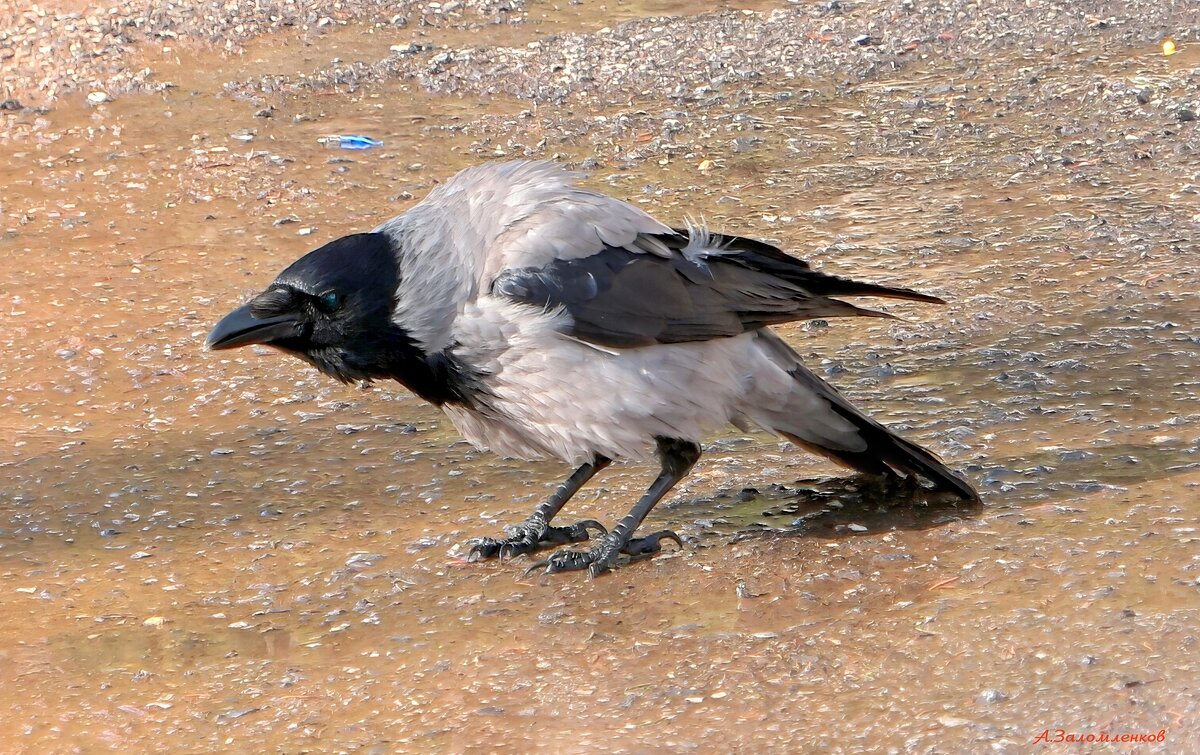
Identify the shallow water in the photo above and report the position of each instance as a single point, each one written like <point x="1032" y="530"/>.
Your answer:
<point x="225" y="551"/>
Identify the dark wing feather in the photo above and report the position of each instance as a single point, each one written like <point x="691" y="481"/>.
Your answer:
<point x="623" y="299"/>
<point x="764" y="258"/>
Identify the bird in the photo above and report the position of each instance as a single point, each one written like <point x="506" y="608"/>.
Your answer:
<point x="549" y="320"/>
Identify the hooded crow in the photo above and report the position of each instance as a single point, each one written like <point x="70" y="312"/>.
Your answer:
<point x="548" y="320"/>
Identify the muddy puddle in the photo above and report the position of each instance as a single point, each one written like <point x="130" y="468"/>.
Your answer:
<point x="226" y="552"/>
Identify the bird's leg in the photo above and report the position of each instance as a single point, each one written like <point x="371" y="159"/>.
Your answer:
<point x="678" y="457"/>
<point x="535" y="532"/>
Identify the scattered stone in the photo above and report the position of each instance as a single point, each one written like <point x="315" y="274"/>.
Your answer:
<point x="992" y="696"/>
<point x="236" y="713"/>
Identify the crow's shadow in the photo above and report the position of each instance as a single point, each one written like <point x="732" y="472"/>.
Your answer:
<point x="822" y="507"/>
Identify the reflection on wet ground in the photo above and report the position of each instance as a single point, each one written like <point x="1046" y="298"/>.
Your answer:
<point x="211" y="551"/>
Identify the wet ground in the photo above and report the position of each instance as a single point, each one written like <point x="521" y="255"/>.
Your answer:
<point x="207" y="551"/>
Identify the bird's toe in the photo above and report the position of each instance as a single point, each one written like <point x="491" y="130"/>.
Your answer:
<point x="579" y="532"/>
<point x="597" y="560"/>
<point x="560" y="561"/>
<point x="533" y="534"/>
<point x="643" y="547"/>
<point x="483" y="548"/>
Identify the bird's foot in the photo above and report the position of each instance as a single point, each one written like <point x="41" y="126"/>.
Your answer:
<point x="530" y="535"/>
<point x="605" y="555"/>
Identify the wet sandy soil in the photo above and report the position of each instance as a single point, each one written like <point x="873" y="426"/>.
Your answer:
<point x="202" y="551"/>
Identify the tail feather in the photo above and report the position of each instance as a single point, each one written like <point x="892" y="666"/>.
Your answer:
<point x="820" y="419"/>
<point x="888" y="453"/>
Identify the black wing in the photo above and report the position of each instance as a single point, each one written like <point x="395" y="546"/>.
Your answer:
<point x="623" y="299"/>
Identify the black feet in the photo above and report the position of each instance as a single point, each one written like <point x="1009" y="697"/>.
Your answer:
<point x="605" y="555"/>
<point x="531" y="535"/>
<point x="677" y="456"/>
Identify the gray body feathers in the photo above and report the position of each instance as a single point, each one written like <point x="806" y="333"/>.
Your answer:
<point x="593" y="328"/>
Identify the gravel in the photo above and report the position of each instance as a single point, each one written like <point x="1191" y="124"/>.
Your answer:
<point x="687" y="59"/>
<point x="101" y="47"/>
<point x="937" y="78"/>
<point x="45" y="53"/>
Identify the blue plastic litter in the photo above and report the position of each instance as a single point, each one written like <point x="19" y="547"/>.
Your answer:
<point x="350" y="141"/>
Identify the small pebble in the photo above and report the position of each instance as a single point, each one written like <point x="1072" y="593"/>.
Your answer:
<point x="992" y="696"/>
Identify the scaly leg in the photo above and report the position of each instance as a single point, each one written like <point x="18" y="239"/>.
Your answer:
<point x="535" y="532"/>
<point x="678" y="457"/>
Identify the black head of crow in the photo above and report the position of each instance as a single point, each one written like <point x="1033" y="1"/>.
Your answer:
<point x="333" y="308"/>
<point x="548" y="320"/>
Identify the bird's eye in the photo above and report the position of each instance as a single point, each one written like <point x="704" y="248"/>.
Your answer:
<point x="330" y="301"/>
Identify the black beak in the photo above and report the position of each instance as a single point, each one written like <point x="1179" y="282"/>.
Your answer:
<point x="240" y="328"/>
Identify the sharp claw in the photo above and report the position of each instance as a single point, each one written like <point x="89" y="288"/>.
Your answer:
<point x="543" y="564"/>
<point x="512" y="549"/>
<point x="669" y="535"/>
<point x="482" y="548"/>
<point x="590" y="523"/>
